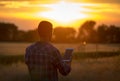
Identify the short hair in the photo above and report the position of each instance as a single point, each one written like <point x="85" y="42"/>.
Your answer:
<point x="45" y="29"/>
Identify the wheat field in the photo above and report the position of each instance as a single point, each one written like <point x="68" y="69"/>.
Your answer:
<point x="105" y="68"/>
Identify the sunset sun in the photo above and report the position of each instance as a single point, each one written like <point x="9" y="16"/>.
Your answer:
<point x="63" y="12"/>
<point x="28" y="13"/>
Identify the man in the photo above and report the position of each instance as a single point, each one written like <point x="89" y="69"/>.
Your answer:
<point x="43" y="59"/>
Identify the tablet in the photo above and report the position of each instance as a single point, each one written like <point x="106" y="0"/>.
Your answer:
<point x="68" y="54"/>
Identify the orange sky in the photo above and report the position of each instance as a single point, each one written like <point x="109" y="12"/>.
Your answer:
<point x="27" y="14"/>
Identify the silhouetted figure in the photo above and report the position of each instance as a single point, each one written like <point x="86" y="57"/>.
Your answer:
<point x="43" y="59"/>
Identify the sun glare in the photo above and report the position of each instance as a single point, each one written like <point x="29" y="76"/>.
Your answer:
<point x="63" y="12"/>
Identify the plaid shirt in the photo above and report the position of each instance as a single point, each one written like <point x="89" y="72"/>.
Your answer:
<point x="43" y="60"/>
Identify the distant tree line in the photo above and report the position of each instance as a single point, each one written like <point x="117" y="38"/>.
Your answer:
<point x="87" y="32"/>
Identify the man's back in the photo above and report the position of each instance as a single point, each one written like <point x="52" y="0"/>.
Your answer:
<point x="43" y="60"/>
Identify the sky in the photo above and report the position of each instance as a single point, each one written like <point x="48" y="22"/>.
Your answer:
<point x="27" y="14"/>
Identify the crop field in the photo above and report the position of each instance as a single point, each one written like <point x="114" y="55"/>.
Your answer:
<point x="86" y="66"/>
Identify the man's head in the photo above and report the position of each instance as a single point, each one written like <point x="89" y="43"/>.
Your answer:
<point x="45" y="30"/>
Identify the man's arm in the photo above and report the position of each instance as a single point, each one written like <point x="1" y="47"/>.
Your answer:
<point x="63" y="66"/>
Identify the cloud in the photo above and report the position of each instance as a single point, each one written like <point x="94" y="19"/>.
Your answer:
<point x="32" y="1"/>
<point x="23" y="6"/>
<point x="103" y="7"/>
<point x="97" y="1"/>
<point x="109" y="1"/>
<point x="17" y="4"/>
<point x="2" y="5"/>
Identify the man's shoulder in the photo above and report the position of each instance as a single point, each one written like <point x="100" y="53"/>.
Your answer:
<point x="31" y="46"/>
<point x="42" y="46"/>
<point x="52" y="47"/>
